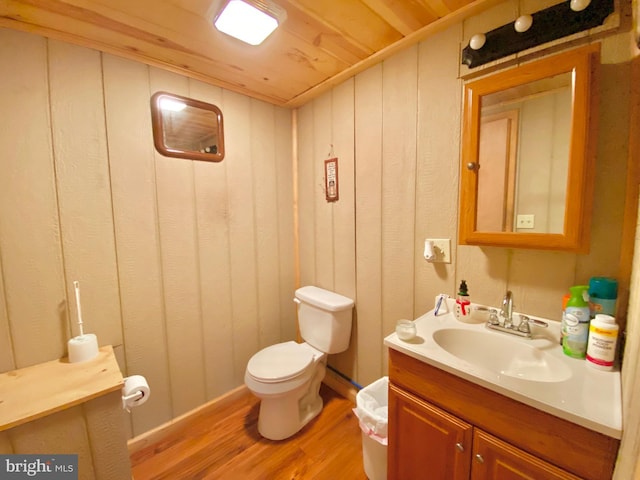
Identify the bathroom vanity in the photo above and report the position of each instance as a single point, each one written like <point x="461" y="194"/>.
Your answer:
<point x="456" y="419"/>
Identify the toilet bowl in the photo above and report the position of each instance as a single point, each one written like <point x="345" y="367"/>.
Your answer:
<point x="287" y="376"/>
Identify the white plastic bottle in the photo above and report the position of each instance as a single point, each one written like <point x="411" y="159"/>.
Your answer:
<point x="601" y="348"/>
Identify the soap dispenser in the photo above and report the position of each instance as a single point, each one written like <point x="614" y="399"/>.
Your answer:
<point x="463" y="303"/>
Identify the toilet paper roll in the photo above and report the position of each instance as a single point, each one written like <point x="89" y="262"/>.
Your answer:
<point x="135" y="392"/>
<point x="82" y="348"/>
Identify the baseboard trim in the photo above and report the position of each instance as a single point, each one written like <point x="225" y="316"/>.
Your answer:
<point x="152" y="436"/>
<point x="331" y="380"/>
<point x="340" y="385"/>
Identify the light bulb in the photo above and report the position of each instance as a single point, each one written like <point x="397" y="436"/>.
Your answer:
<point x="523" y="23"/>
<point x="477" y="41"/>
<point x="579" y="5"/>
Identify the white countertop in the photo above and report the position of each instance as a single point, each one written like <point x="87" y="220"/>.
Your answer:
<point x="589" y="397"/>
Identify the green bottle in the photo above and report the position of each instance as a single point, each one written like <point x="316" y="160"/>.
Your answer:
<point x="575" y="322"/>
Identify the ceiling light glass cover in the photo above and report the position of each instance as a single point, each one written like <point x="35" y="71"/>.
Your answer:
<point x="249" y="23"/>
<point x="579" y="5"/>
<point x="523" y="23"/>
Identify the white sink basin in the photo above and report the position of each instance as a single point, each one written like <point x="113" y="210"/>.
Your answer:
<point x="533" y="371"/>
<point x="502" y="354"/>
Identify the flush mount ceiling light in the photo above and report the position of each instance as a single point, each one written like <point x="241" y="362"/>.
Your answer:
<point x="250" y="22"/>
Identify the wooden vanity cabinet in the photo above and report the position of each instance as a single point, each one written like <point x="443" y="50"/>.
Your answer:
<point x="431" y="443"/>
<point x="427" y="441"/>
<point x="439" y="423"/>
<point x="494" y="459"/>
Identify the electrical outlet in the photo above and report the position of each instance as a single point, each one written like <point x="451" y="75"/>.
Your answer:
<point x="525" y="221"/>
<point x="441" y="249"/>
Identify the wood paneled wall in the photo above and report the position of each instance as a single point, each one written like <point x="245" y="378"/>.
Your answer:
<point x="405" y="132"/>
<point x="185" y="267"/>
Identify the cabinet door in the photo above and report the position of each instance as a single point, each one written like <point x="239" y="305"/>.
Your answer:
<point x="425" y="442"/>
<point x="494" y="459"/>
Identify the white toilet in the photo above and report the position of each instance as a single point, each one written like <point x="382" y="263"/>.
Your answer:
<point x="287" y="376"/>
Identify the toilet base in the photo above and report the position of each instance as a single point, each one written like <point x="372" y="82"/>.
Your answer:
<point x="277" y="419"/>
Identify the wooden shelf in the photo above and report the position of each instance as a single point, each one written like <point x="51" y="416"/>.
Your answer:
<point x="40" y="390"/>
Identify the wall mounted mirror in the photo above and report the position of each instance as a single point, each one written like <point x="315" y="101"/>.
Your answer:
<point x="529" y="136"/>
<point x="187" y="128"/>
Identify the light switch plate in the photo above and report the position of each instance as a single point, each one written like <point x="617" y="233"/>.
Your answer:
<point x="442" y="249"/>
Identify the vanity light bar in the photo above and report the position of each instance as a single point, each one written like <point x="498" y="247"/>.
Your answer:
<point x="532" y="30"/>
<point x="250" y="22"/>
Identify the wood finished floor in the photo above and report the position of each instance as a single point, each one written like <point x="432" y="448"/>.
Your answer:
<point x="225" y="444"/>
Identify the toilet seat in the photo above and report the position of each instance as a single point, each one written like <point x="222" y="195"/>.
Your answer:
<point x="280" y="362"/>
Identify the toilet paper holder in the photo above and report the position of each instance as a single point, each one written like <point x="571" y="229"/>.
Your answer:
<point x="135" y="392"/>
<point x="133" y="396"/>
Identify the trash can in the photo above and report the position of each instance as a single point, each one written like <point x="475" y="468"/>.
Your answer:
<point x="372" y="405"/>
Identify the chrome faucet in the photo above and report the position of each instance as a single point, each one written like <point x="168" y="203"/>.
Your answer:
<point x="507" y="309"/>
<point x="523" y="329"/>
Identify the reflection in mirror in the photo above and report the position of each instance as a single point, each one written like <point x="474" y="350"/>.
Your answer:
<point x="528" y="154"/>
<point x="524" y="157"/>
<point x="187" y="128"/>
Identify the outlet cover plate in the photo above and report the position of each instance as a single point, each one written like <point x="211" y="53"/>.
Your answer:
<point x="525" y="221"/>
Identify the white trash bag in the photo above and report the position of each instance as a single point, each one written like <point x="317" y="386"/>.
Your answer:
<point x="372" y="406"/>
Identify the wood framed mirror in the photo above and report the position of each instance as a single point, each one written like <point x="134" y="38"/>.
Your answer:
<point x="187" y="128"/>
<point x="528" y="154"/>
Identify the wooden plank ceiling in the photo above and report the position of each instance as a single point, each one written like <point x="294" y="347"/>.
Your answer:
<point x="321" y="43"/>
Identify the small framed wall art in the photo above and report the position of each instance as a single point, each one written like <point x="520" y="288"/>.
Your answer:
<point x="331" y="179"/>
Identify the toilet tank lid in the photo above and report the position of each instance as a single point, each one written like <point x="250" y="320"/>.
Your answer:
<point x="321" y="298"/>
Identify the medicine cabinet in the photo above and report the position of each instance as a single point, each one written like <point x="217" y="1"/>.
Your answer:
<point x="528" y="154"/>
<point x="187" y="128"/>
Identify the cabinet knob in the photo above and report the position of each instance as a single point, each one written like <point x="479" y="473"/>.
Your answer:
<point x="473" y="166"/>
<point x="479" y="458"/>
<point x="460" y="447"/>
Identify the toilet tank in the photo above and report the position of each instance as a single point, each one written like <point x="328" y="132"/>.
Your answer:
<point x="324" y="318"/>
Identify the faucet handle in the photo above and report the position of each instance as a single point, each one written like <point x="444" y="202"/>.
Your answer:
<point x="524" y="326"/>
<point x="493" y="318"/>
